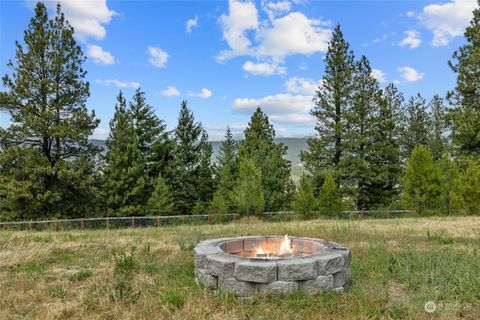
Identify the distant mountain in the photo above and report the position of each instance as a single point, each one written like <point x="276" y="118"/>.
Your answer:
<point x="294" y="145"/>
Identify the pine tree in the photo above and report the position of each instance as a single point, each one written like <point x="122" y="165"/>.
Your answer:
<point x="329" y="199"/>
<point x="227" y="170"/>
<point x="421" y="185"/>
<point x="438" y="142"/>
<point x="269" y="156"/>
<point x="154" y="142"/>
<point x="450" y="198"/>
<point x="470" y="187"/>
<point x="124" y="173"/>
<point x="47" y="162"/>
<point x="304" y="202"/>
<point x="384" y="151"/>
<point x="358" y="132"/>
<point x="466" y="95"/>
<point x="248" y="193"/>
<point x="332" y="99"/>
<point x="418" y="125"/>
<point x="183" y="171"/>
<point x="161" y="201"/>
<point x="218" y="205"/>
<point x="205" y="183"/>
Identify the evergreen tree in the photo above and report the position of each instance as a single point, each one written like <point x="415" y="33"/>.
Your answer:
<point x="421" y="188"/>
<point x="329" y="199"/>
<point x="248" y="193"/>
<point x="227" y="170"/>
<point x="359" y="131"/>
<point x="450" y="198"/>
<point x="268" y="156"/>
<point x="205" y="183"/>
<point x="47" y="163"/>
<point x="219" y="205"/>
<point x="124" y="173"/>
<point x="153" y="139"/>
<point x="183" y="172"/>
<point x="470" y="187"/>
<point x="304" y="202"/>
<point x="331" y="102"/>
<point x="438" y="143"/>
<point x="418" y="125"/>
<point x="384" y="154"/>
<point x="161" y="201"/>
<point x="466" y="95"/>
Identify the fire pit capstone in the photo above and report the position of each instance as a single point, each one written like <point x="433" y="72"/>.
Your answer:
<point x="244" y="265"/>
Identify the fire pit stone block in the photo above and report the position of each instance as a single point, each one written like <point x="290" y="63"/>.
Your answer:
<point x="296" y="269"/>
<point x="240" y="288"/>
<point x="260" y="272"/>
<point x="330" y="263"/>
<point x="283" y="287"/>
<point x="206" y="280"/>
<point x="341" y="277"/>
<point x="220" y="265"/>
<point x="319" y="284"/>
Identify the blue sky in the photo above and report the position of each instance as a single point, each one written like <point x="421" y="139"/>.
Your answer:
<point x="227" y="58"/>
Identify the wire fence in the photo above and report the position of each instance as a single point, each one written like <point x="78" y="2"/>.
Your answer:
<point x="172" y="220"/>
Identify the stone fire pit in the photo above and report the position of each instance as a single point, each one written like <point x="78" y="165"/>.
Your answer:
<point x="278" y="264"/>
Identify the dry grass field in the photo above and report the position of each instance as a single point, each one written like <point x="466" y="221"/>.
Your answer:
<point x="398" y="265"/>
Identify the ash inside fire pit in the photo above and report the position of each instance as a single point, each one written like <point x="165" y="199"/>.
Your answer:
<point x="279" y="264"/>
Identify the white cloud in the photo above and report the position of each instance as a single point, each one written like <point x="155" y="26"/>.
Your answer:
<point x="87" y="17"/>
<point x="291" y="34"/>
<point x="99" y="55"/>
<point x="191" y="23"/>
<point x="378" y="75"/>
<point x="158" y="57"/>
<point x="301" y="85"/>
<point x="204" y="94"/>
<point x="282" y="6"/>
<point x="170" y="91"/>
<point x="100" y="133"/>
<point x="263" y="68"/>
<point x="281" y="108"/>
<point x="447" y="20"/>
<point x="409" y="74"/>
<point x="412" y="39"/>
<point x="118" y="83"/>
<point x="242" y="16"/>
<point x="410" y="14"/>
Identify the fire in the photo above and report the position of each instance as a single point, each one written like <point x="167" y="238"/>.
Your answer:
<point x="285" y="246"/>
<point x="260" y="251"/>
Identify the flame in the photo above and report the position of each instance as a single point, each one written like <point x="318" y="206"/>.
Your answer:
<point x="260" y="251"/>
<point x="285" y="246"/>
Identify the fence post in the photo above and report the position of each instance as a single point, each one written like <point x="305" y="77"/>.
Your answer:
<point x="234" y="217"/>
<point x="184" y="218"/>
<point x="5" y="227"/>
<point x="107" y="222"/>
<point x="82" y="224"/>
<point x="158" y="221"/>
<point x="30" y="224"/>
<point x="209" y="219"/>
<point x="133" y="222"/>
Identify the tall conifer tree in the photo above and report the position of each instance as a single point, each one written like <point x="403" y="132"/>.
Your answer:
<point x="260" y="146"/>
<point x="124" y="173"/>
<point x="438" y="142"/>
<point x="46" y="160"/>
<point x="359" y="131"/>
<point x="332" y="99"/>
<point x="227" y="170"/>
<point x="183" y="172"/>
<point x="466" y="95"/>
<point x="418" y="124"/>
